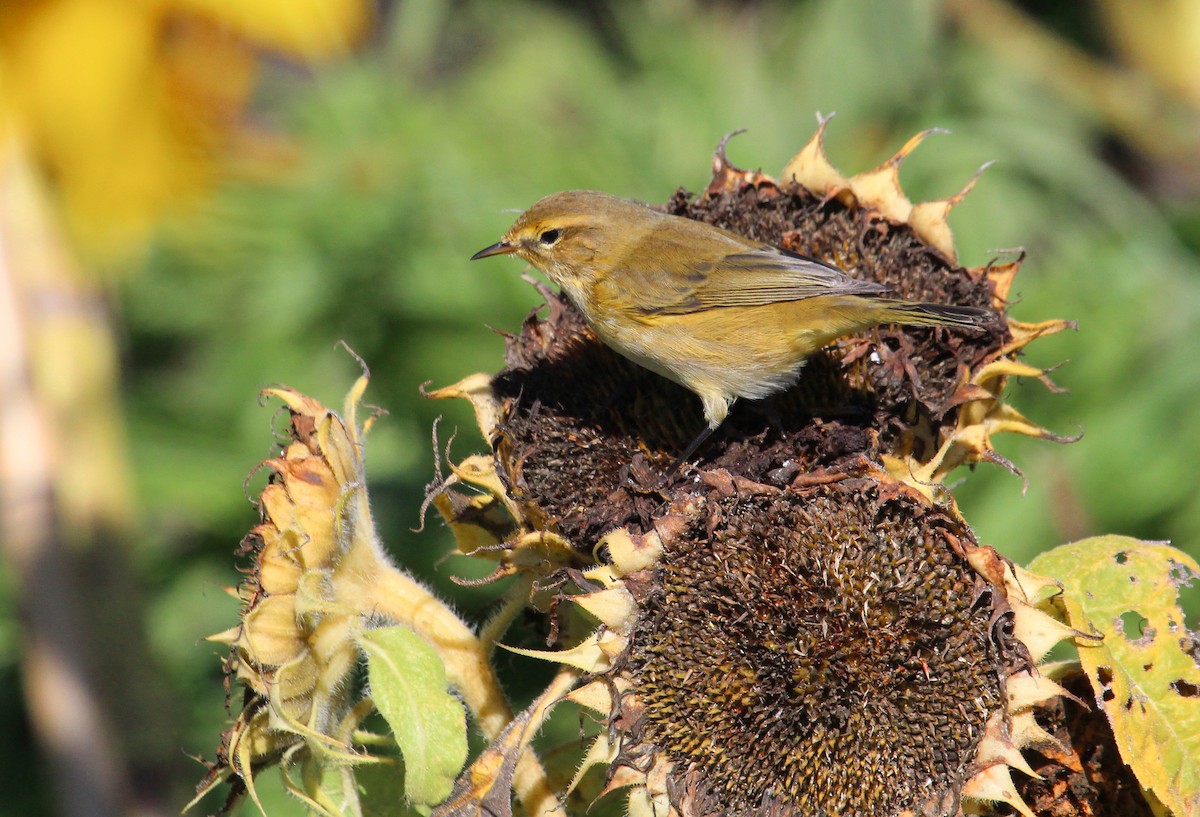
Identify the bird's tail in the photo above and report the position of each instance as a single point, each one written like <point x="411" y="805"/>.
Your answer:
<point x="915" y="314"/>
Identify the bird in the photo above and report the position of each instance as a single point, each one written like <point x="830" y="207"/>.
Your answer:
<point x="725" y="316"/>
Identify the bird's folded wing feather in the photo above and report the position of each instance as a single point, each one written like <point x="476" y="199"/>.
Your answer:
<point x="753" y="278"/>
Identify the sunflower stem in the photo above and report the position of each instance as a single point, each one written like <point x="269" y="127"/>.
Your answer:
<point x="394" y="594"/>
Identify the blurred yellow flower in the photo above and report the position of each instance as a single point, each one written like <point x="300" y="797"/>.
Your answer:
<point x="1161" y="37"/>
<point x="124" y="104"/>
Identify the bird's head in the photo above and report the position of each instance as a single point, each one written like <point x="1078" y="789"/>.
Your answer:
<point x="572" y="236"/>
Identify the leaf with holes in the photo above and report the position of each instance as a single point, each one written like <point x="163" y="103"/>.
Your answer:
<point x="1143" y="672"/>
<point x="408" y="686"/>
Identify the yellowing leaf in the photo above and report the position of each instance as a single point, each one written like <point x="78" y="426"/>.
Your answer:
<point x="1143" y="677"/>
<point x="408" y="686"/>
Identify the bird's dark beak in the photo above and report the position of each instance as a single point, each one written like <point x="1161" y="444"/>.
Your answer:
<point x="499" y="248"/>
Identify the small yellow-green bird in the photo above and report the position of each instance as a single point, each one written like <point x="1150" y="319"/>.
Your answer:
<point x="723" y="315"/>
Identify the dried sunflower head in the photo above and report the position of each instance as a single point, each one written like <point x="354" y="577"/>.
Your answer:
<point x="855" y="645"/>
<point x="294" y="648"/>
<point x="324" y="611"/>
<point x="844" y="648"/>
<point x="806" y="626"/>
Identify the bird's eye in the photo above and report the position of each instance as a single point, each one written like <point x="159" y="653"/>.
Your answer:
<point x="548" y="237"/>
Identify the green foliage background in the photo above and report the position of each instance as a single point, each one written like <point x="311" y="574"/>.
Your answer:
<point x="408" y="158"/>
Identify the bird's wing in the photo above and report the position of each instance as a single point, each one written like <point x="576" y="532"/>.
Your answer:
<point x="751" y="278"/>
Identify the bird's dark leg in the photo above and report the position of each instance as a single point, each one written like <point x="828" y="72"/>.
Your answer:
<point x="682" y="459"/>
<point x="716" y="409"/>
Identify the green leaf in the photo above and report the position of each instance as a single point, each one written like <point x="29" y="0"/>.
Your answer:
<point x="485" y="789"/>
<point x="381" y="791"/>
<point x="1144" y="679"/>
<point x="366" y="790"/>
<point x="408" y="686"/>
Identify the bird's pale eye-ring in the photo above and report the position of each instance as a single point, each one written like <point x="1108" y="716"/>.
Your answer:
<point x="548" y="237"/>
